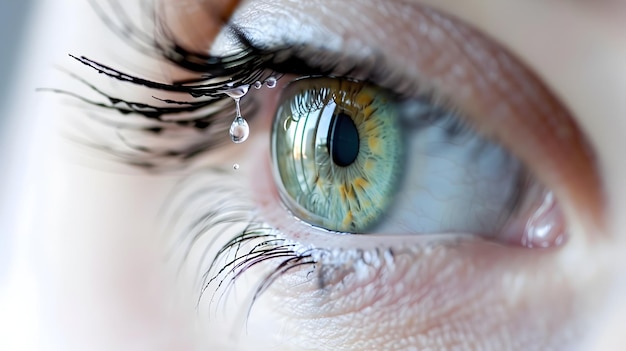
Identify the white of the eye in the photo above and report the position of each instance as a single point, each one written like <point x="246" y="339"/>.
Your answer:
<point x="460" y="183"/>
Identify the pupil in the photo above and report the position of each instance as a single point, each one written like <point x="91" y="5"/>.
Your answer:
<point x="343" y="140"/>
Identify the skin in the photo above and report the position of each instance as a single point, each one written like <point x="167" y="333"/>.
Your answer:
<point x="106" y="286"/>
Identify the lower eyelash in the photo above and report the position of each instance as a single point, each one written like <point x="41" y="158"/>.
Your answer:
<point x="266" y="247"/>
<point x="210" y="205"/>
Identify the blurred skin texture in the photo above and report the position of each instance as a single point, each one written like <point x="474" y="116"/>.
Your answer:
<point x="100" y="267"/>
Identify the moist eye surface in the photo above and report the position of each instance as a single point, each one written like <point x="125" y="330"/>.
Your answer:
<point x="338" y="151"/>
<point x="350" y="157"/>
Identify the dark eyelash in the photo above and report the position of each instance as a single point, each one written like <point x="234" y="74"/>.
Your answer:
<point x="266" y="247"/>
<point x="204" y="117"/>
<point x="251" y="247"/>
<point x="254" y="246"/>
<point x="162" y="43"/>
<point x="257" y="244"/>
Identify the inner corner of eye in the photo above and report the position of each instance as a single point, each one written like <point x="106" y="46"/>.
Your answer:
<point x="348" y="157"/>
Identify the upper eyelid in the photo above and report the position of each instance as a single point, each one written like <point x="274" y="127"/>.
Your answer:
<point x="372" y="69"/>
<point x="498" y="95"/>
<point x="250" y="58"/>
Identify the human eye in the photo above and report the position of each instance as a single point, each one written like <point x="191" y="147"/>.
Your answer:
<point x="469" y="149"/>
<point x="350" y="157"/>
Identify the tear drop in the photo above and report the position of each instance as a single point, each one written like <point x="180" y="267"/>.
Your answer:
<point x="236" y="166"/>
<point x="239" y="130"/>
<point x="257" y="85"/>
<point x="270" y="82"/>
<point x="545" y="227"/>
<point x="237" y="92"/>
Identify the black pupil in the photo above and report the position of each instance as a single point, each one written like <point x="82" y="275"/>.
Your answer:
<point x="344" y="140"/>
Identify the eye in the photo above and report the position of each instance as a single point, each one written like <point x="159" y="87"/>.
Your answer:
<point x="338" y="150"/>
<point x="352" y="157"/>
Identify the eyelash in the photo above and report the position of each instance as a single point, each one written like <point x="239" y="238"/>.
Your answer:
<point x="250" y="64"/>
<point x="258" y="243"/>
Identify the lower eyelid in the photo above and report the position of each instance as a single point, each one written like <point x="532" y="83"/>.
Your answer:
<point x="469" y="290"/>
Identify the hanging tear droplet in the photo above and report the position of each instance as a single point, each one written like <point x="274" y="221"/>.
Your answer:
<point x="236" y="166"/>
<point x="257" y="85"/>
<point x="237" y="92"/>
<point x="239" y="130"/>
<point x="270" y="82"/>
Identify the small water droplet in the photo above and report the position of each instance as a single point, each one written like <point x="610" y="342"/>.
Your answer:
<point x="258" y="85"/>
<point x="239" y="130"/>
<point x="236" y="166"/>
<point x="287" y="124"/>
<point x="270" y="82"/>
<point x="237" y="92"/>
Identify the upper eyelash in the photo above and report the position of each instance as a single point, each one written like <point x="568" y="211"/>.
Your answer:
<point x="208" y="111"/>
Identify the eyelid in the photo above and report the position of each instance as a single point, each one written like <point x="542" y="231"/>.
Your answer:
<point x="462" y="69"/>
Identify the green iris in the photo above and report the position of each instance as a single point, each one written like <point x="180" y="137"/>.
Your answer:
<point x="337" y="149"/>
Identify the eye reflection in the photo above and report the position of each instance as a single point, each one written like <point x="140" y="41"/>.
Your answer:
<point x="338" y="149"/>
